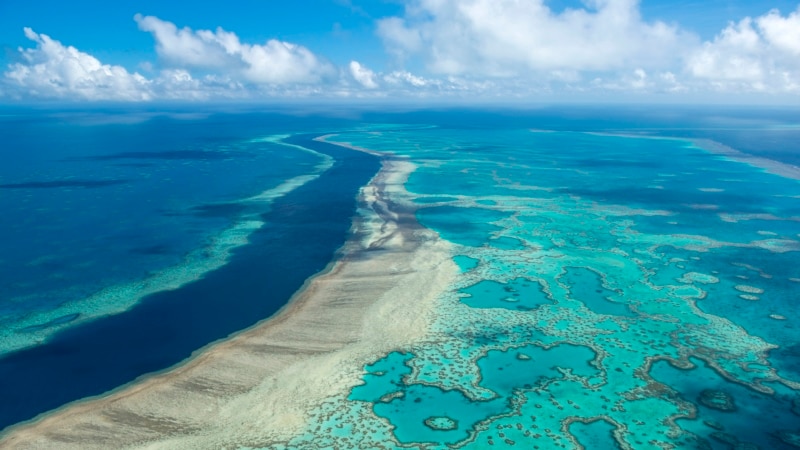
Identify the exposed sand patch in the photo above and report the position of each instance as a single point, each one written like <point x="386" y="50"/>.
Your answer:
<point x="255" y="388"/>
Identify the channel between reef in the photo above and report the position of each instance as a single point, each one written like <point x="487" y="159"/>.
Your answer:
<point x="256" y="388"/>
<point x="297" y="236"/>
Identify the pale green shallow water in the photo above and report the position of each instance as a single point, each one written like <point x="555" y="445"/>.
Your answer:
<point x="611" y="289"/>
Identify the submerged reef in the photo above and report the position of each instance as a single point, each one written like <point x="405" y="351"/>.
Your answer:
<point x="719" y="400"/>
<point x="596" y="308"/>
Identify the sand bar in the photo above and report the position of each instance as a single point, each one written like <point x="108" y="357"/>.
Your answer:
<point x="255" y="388"/>
<point x="717" y="148"/>
<point x="770" y="165"/>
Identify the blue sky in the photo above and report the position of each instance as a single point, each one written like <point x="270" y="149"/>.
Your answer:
<point x="403" y="49"/>
<point x="107" y="28"/>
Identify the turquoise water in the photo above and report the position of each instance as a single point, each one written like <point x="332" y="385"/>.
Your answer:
<point x="605" y="283"/>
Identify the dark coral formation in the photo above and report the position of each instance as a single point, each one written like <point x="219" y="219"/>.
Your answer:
<point x="719" y="400"/>
<point x="791" y="438"/>
<point x="441" y="423"/>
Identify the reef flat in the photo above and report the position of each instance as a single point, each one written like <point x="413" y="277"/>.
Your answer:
<point x="605" y="300"/>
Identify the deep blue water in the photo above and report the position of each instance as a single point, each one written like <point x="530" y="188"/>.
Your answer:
<point x="302" y="232"/>
<point x="88" y="205"/>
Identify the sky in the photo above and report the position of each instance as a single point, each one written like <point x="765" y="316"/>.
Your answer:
<point x="86" y="51"/>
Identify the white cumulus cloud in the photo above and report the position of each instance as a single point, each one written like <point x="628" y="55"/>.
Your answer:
<point x="54" y="70"/>
<point x="406" y="78"/>
<point x="196" y="65"/>
<point x="782" y="33"/>
<point x="514" y="37"/>
<point x="447" y="49"/>
<point x="363" y="75"/>
<point x="603" y="45"/>
<point x="179" y="84"/>
<point x="274" y="62"/>
<point x="761" y="54"/>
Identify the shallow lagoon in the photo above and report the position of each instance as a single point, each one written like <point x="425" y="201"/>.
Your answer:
<point x="642" y="271"/>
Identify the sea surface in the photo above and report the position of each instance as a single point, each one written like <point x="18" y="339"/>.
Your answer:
<point x="131" y="241"/>
<point x="621" y="286"/>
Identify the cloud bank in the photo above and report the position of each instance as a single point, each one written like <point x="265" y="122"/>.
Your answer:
<point x="56" y="71"/>
<point x="605" y="45"/>
<point x="761" y="54"/>
<point x="274" y="62"/>
<point x="468" y="49"/>
<point x="510" y="38"/>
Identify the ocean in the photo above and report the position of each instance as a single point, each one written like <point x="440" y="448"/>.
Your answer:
<point x="129" y="246"/>
<point x="627" y="280"/>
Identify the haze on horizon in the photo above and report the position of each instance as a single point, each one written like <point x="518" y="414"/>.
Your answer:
<point x="418" y="50"/>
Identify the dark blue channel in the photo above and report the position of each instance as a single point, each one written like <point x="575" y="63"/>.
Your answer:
<point x="302" y="233"/>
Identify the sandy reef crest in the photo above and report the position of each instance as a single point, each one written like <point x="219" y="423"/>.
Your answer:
<point x="255" y="388"/>
<point x="770" y="165"/>
<point x="718" y="148"/>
